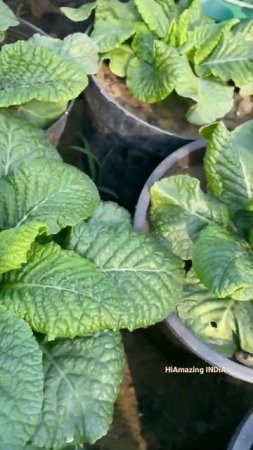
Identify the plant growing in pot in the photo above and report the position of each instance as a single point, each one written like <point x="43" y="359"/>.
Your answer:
<point x="162" y="67"/>
<point x="73" y="273"/>
<point x="40" y="76"/>
<point x="161" y="47"/>
<point x="211" y="231"/>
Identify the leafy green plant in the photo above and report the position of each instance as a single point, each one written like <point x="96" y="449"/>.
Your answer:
<point x="39" y="77"/>
<point x="161" y="46"/>
<point x="73" y="273"/>
<point x="213" y="230"/>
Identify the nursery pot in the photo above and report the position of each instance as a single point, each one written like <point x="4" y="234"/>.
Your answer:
<point x="243" y="437"/>
<point x="23" y="31"/>
<point x="187" y="160"/>
<point x="126" y="134"/>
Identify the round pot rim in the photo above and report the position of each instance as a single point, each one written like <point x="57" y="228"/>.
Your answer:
<point x="242" y="438"/>
<point x="61" y="119"/>
<point x="173" y="322"/>
<point x="128" y="113"/>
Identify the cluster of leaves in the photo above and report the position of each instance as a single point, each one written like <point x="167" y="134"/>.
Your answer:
<point x="40" y="76"/>
<point x="162" y="46"/>
<point x="73" y="273"/>
<point x="213" y="230"/>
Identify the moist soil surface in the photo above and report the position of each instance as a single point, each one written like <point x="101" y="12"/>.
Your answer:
<point x="155" y="410"/>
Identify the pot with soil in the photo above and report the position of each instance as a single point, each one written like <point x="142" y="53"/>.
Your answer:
<point x="41" y="75"/>
<point x="198" y="204"/>
<point x="158" y="83"/>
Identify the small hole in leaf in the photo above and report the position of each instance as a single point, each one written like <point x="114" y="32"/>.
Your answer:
<point x="214" y="324"/>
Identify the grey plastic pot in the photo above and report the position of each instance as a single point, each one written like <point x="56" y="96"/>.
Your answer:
<point x="188" y="159"/>
<point x="243" y="436"/>
<point x="134" y="146"/>
<point x="24" y="31"/>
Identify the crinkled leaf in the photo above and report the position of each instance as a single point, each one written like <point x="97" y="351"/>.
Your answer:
<point x="191" y="18"/>
<point x="209" y="318"/>
<point x="77" y="47"/>
<point x="79" y="14"/>
<point x="7" y="17"/>
<point x="115" y="23"/>
<point x="82" y="378"/>
<point x="21" y="142"/>
<point x="111" y="214"/>
<point x="15" y="244"/>
<point x="143" y="43"/>
<point x="243" y="312"/>
<point x="224" y="263"/>
<point x="207" y="37"/>
<point x="231" y="60"/>
<point x="119" y="59"/>
<point x="154" y="82"/>
<point x="180" y="210"/>
<point x="49" y="191"/>
<point x="148" y="281"/>
<point x="61" y="294"/>
<point x="229" y="163"/>
<point x="42" y="114"/>
<point x="21" y="384"/>
<point x="156" y="14"/>
<point x="28" y="72"/>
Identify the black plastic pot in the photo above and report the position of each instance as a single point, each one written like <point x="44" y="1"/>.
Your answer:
<point x="24" y="31"/>
<point x="188" y="159"/>
<point x="134" y="146"/>
<point x="243" y="437"/>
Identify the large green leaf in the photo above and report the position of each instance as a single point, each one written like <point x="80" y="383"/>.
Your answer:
<point x="15" y="244"/>
<point x="148" y="280"/>
<point x="7" y="18"/>
<point x="229" y="163"/>
<point x="153" y="82"/>
<point x="61" y="294"/>
<point x="231" y="60"/>
<point x="21" y="386"/>
<point x="224" y="263"/>
<point x="82" y="378"/>
<point x="48" y="191"/>
<point x="79" y="14"/>
<point x="156" y="14"/>
<point x="111" y="214"/>
<point x="115" y="23"/>
<point x="180" y="210"/>
<point x="211" y="319"/>
<point x="77" y="47"/>
<point x="21" y="142"/>
<point x="28" y="72"/>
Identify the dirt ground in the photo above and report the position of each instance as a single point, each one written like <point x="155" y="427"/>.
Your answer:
<point x="155" y="410"/>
